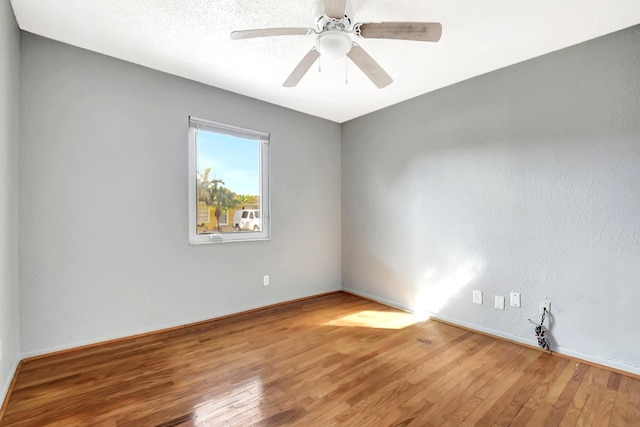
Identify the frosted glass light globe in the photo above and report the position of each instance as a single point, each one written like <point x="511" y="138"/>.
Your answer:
<point x="333" y="44"/>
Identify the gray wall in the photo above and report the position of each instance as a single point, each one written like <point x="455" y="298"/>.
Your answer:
<point x="103" y="196"/>
<point x="524" y="180"/>
<point x="9" y="118"/>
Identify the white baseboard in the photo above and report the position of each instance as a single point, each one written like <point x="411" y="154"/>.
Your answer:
<point x="610" y="363"/>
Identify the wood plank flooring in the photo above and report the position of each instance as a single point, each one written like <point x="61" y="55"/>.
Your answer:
<point x="332" y="360"/>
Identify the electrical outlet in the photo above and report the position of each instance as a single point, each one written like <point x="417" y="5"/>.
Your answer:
<point x="543" y="305"/>
<point x="499" y="302"/>
<point x="515" y="299"/>
<point x="265" y="280"/>
<point x="477" y="297"/>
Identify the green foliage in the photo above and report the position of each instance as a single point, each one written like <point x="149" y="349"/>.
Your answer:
<point x="248" y="201"/>
<point x="206" y="187"/>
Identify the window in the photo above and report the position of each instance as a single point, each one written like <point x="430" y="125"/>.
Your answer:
<point x="224" y="218"/>
<point x="228" y="183"/>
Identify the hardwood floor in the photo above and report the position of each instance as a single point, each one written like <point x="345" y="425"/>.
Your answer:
<point x="321" y="362"/>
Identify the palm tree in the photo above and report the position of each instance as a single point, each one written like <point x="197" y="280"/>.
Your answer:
<point x="247" y="200"/>
<point x="207" y="189"/>
<point x="213" y="193"/>
<point x="242" y="199"/>
<point x="224" y="199"/>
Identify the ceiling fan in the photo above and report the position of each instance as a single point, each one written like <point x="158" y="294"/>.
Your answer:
<point x="334" y="27"/>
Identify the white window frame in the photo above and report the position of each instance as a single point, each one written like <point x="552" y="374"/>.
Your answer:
<point x="262" y="138"/>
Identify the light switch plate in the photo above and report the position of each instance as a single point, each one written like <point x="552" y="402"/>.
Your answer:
<point x="477" y="297"/>
<point x="499" y="302"/>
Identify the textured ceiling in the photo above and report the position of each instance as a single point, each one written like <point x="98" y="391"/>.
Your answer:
<point x="190" y="38"/>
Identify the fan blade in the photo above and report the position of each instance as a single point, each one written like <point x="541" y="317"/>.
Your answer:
<point x="335" y="8"/>
<point x="369" y="66"/>
<point x="269" y="32"/>
<point x="419" y="31"/>
<point x="301" y="69"/>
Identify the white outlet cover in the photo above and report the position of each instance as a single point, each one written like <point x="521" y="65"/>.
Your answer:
<point x="543" y="305"/>
<point x="265" y="280"/>
<point x="499" y="302"/>
<point x="515" y="299"/>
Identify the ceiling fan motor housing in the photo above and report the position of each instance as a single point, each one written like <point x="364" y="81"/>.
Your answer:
<point x="324" y="22"/>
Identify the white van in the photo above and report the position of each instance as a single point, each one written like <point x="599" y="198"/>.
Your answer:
<point x="247" y="219"/>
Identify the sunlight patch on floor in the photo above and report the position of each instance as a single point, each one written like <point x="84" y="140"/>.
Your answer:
<point x="376" y="319"/>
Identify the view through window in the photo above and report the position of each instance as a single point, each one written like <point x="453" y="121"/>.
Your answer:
<point x="228" y="183"/>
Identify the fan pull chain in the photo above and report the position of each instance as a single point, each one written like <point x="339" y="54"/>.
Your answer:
<point x="346" y="71"/>
<point x="320" y="59"/>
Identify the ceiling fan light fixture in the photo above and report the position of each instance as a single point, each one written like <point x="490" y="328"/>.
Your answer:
<point x="333" y="44"/>
<point x="334" y="26"/>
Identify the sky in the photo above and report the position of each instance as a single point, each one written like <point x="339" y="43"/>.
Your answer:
<point x="234" y="160"/>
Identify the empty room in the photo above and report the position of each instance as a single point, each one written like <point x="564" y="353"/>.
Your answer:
<point x="319" y="212"/>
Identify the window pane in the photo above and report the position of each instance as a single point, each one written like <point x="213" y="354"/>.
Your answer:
<point x="231" y="183"/>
